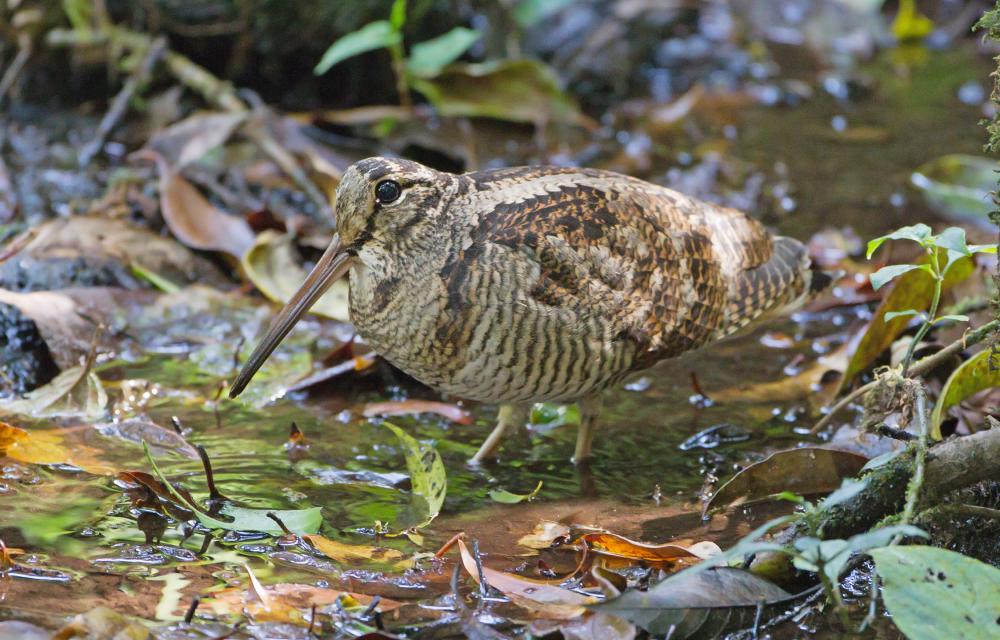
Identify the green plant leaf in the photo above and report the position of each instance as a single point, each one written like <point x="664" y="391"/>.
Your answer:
<point x="428" y="481"/>
<point x="912" y="290"/>
<point x="952" y="318"/>
<point x="834" y="554"/>
<point x="397" y="15"/>
<point x="983" y="248"/>
<point x="513" y="90"/>
<point x="958" y="187"/>
<point x="428" y="58"/>
<point x="889" y="315"/>
<point x="952" y="239"/>
<point x="918" y="233"/>
<point x="530" y="12"/>
<point x="974" y="375"/>
<point x="935" y="594"/>
<point x="374" y="35"/>
<point x="506" y="497"/>
<point x="848" y="489"/>
<point x="886" y="274"/>
<point x="298" y="521"/>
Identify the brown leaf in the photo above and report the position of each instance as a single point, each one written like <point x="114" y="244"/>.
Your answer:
<point x="544" y="535"/>
<point x="410" y="407"/>
<point x="187" y="141"/>
<point x="287" y="602"/>
<point x="193" y="219"/>
<point x="50" y="447"/>
<point x="615" y="545"/>
<point x="544" y="598"/>
<point x="346" y="553"/>
<point x="806" y="471"/>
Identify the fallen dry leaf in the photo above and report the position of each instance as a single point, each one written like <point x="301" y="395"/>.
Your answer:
<point x="546" y="599"/>
<point x="287" y="602"/>
<point x="343" y="552"/>
<point x="50" y="447"/>
<point x="410" y="407"/>
<point x="544" y="535"/>
<point x="620" y="547"/>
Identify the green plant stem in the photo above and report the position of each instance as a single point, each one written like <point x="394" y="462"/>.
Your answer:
<point x="919" y="458"/>
<point x="922" y="366"/>
<point x="833" y="593"/>
<point x="931" y="314"/>
<point x="398" y="56"/>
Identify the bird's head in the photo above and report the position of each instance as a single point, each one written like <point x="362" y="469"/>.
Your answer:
<point x="381" y="203"/>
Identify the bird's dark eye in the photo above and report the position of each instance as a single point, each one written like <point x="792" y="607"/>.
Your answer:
<point x="387" y="191"/>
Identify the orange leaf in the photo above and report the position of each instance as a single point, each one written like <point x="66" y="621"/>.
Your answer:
<point x="49" y="447"/>
<point x="615" y="545"/>
<point x="343" y="552"/>
<point x="285" y="602"/>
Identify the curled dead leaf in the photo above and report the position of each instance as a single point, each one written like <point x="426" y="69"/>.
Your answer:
<point x="409" y="407"/>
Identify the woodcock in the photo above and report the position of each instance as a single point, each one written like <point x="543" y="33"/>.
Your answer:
<point x="531" y="284"/>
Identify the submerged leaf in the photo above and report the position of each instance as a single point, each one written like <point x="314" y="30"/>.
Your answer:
<point x="272" y="267"/>
<point x="546" y="599"/>
<point x="806" y="470"/>
<point x="702" y="602"/>
<point x="980" y="372"/>
<point x="289" y="603"/>
<point x="427" y="479"/>
<point x="49" y="447"/>
<point x="506" y="497"/>
<point x="75" y="392"/>
<point x="935" y="594"/>
<point x="346" y="553"/>
<point x="410" y="407"/>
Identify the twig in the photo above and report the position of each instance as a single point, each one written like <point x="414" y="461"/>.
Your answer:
<point x="923" y="366"/>
<point x="119" y="105"/>
<point x="13" y="71"/>
<point x="919" y="460"/>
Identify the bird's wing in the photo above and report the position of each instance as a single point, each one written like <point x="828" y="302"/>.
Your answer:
<point x="663" y="269"/>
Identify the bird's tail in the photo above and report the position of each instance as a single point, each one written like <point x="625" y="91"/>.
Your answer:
<point x="780" y="285"/>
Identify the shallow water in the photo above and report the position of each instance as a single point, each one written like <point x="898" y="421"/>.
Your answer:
<point x="82" y="525"/>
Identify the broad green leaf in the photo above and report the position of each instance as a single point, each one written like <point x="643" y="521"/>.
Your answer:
<point x="374" y="35"/>
<point x="703" y="603"/>
<point x="299" y="521"/>
<point x="847" y="490"/>
<point x="935" y="594"/>
<point x="889" y="315"/>
<point x="952" y="239"/>
<point x="804" y="470"/>
<point x="271" y="265"/>
<point x="981" y="371"/>
<point x="428" y="481"/>
<point x="883" y="459"/>
<point x="886" y="274"/>
<point x="881" y="537"/>
<point x="910" y="24"/>
<point x="959" y="187"/>
<point x="529" y="12"/>
<point x="912" y="290"/>
<point x="834" y="554"/>
<point x="917" y="233"/>
<point x="983" y="248"/>
<point x="548" y="415"/>
<point x="506" y="497"/>
<point x="513" y="90"/>
<point x="428" y="58"/>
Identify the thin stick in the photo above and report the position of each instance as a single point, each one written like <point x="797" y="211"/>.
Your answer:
<point x="119" y="105"/>
<point x="923" y="366"/>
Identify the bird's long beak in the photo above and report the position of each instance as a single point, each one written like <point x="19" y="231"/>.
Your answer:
<point x="334" y="263"/>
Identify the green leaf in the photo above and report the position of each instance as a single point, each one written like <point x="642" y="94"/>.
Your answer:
<point x="885" y="275"/>
<point x="958" y="187"/>
<point x="935" y="594"/>
<point x="512" y="90"/>
<point x="530" y="12"/>
<point x="506" y="497"/>
<point x="549" y="415"/>
<point x="918" y="233"/>
<point x="847" y="490"/>
<point x="428" y="58"/>
<point x="397" y="16"/>
<point x="834" y="554"/>
<point x="953" y="239"/>
<point x="298" y="521"/>
<point x="374" y="35"/>
<point x="883" y="459"/>
<point x="428" y="481"/>
<point x="982" y="248"/>
<point x="889" y="315"/>
<point x="951" y="318"/>
<point x="981" y="371"/>
<point x="911" y="291"/>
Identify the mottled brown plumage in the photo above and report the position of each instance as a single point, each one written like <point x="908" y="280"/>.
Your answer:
<point x="533" y="284"/>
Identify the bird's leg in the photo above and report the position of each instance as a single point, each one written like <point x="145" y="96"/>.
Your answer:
<point x="509" y="416"/>
<point x="590" y="409"/>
